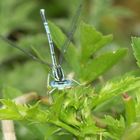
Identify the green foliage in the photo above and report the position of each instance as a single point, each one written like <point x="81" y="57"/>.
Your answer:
<point x="72" y="110"/>
<point x="76" y="112"/>
<point x="112" y="89"/>
<point x="20" y="112"/>
<point x="89" y="46"/>
<point x="93" y="43"/>
<point x="115" y="127"/>
<point x="21" y="9"/>
<point x="130" y="110"/>
<point x="136" y="48"/>
<point x="30" y="70"/>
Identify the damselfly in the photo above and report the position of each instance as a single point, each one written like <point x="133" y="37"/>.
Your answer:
<point x="57" y="72"/>
<point x="59" y="81"/>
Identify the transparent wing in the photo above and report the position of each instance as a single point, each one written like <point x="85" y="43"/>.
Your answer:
<point x="13" y="45"/>
<point x="74" y="25"/>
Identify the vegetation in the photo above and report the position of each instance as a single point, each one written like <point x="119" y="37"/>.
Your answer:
<point x="100" y="107"/>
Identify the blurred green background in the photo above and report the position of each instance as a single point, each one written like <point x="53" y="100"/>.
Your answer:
<point x="20" y="22"/>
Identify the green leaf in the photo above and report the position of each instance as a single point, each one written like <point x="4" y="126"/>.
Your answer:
<point x="55" y="110"/>
<point x="85" y="68"/>
<point x="91" y="41"/>
<point x="9" y="111"/>
<point x="100" y="65"/>
<point x="115" y="88"/>
<point x="34" y="113"/>
<point x="115" y="127"/>
<point x="136" y="48"/>
<point x="13" y="111"/>
<point x="59" y="38"/>
<point x="51" y="130"/>
<point x="130" y="109"/>
<point x="68" y="115"/>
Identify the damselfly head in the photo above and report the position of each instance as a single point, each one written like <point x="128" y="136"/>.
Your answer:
<point x="61" y="85"/>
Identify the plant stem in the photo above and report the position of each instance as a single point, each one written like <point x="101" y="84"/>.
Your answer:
<point x="130" y="110"/>
<point x="67" y="127"/>
<point x="8" y="130"/>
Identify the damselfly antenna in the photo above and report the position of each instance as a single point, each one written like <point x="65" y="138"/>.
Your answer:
<point x="57" y="72"/>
